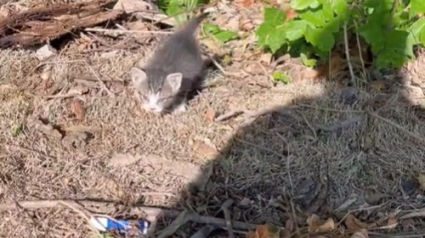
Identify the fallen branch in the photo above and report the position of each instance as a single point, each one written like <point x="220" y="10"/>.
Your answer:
<point x="116" y="31"/>
<point x="418" y="213"/>
<point x="182" y="219"/>
<point x="340" y="125"/>
<point x="225" y="209"/>
<point x="42" y="24"/>
<point x="204" y="232"/>
<point x="229" y="115"/>
<point x="152" y="213"/>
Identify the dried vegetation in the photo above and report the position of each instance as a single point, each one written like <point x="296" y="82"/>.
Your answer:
<point x="312" y="157"/>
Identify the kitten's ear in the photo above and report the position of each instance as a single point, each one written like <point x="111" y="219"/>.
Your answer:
<point x="138" y="76"/>
<point x="175" y="81"/>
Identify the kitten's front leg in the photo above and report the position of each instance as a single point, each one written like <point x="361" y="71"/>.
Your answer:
<point x="182" y="107"/>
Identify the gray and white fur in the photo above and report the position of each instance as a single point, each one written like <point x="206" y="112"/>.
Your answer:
<point x="163" y="84"/>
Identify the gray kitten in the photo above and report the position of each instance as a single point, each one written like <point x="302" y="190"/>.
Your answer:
<point x="163" y="84"/>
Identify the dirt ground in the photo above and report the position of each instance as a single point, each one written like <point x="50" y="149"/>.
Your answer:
<point x="313" y="152"/>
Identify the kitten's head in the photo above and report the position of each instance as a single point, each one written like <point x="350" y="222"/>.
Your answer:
<point x="156" y="94"/>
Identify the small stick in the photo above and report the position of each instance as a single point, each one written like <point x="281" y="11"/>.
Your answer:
<point x="411" y="134"/>
<point x="204" y="232"/>
<point x="62" y="96"/>
<point x="224" y="72"/>
<point x="225" y="209"/>
<point x="100" y="81"/>
<point x="229" y="115"/>
<point x="151" y="212"/>
<point x="360" y="49"/>
<point x="128" y="31"/>
<point x="340" y="125"/>
<point x="418" y="213"/>
<point x="347" y="54"/>
<point x="84" y="214"/>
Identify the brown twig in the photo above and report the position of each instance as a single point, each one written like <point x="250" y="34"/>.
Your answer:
<point x="418" y="213"/>
<point x="222" y="70"/>
<point x="182" y="219"/>
<point x="151" y="212"/>
<point x="340" y="125"/>
<point x="116" y="31"/>
<point x="229" y="115"/>
<point x="204" y="232"/>
<point x="225" y="209"/>
<point x="347" y="54"/>
<point x="100" y="81"/>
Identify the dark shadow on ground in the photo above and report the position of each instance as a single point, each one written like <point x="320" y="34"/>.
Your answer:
<point x="345" y="150"/>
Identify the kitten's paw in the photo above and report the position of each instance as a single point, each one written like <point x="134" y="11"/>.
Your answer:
<point x="180" y="109"/>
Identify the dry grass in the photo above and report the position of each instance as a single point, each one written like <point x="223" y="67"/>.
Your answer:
<point x="260" y="162"/>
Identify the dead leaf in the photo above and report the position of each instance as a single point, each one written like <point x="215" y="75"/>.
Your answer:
<point x="47" y="129"/>
<point x="317" y="225"/>
<point x="79" y="90"/>
<point x="48" y="83"/>
<point x="123" y="160"/>
<point x="392" y="221"/>
<point x="378" y="85"/>
<point x="360" y="234"/>
<point x="289" y="227"/>
<point x="137" y="25"/>
<point x="204" y="150"/>
<point x="353" y="224"/>
<point x="265" y="231"/>
<point x="374" y="198"/>
<point x="309" y="73"/>
<point x="266" y="58"/>
<point x="421" y="180"/>
<point x="214" y="47"/>
<point x="290" y="14"/>
<point x="210" y="114"/>
<point x="130" y="6"/>
<point x="78" y="109"/>
<point x="244" y="3"/>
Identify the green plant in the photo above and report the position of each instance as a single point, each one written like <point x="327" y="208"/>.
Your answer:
<point x="178" y="8"/>
<point x="281" y="77"/>
<point x="391" y="28"/>
<point x="220" y="35"/>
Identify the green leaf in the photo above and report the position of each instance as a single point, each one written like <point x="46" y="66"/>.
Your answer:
<point x="274" y="16"/>
<point x="320" y="37"/>
<point x="303" y="4"/>
<point x="327" y="10"/>
<point x="281" y="77"/>
<point x="211" y="28"/>
<point x="396" y="41"/>
<point x="271" y="36"/>
<point x="225" y="36"/>
<point x="334" y="25"/>
<point x="390" y="59"/>
<point x="308" y="62"/>
<point x="276" y="39"/>
<point x="416" y="30"/>
<point x="373" y="34"/>
<point x="221" y="35"/>
<point x="316" y="18"/>
<point x="263" y="33"/>
<point x="422" y="38"/>
<point x="417" y="7"/>
<point x="340" y="7"/>
<point x="295" y="29"/>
